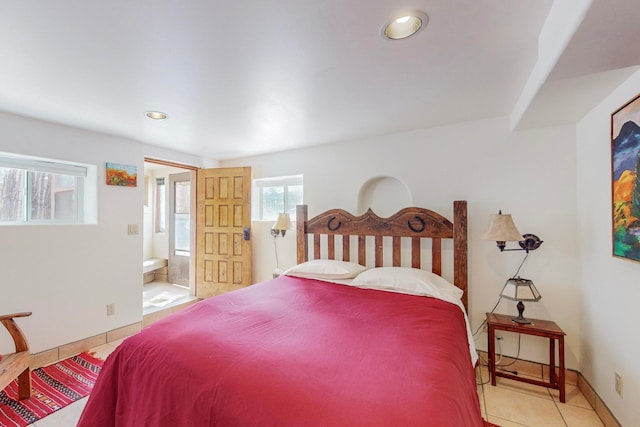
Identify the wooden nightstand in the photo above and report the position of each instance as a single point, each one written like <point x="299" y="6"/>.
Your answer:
<point x="541" y="328"/>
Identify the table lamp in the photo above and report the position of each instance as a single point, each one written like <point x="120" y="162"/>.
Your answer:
<point x="519" y="289"/>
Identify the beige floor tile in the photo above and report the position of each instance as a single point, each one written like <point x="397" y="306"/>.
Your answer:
<point x="521" y="387"/>
<point x="66" y="417"/>
<point x="483" y="408"/>
<point x="504" y="423"/>
<point x="116" y="343"/>
<point x="580" y="417"/>
<point x="522" y="408"/>
<point x="573" y="397"/>
<point x="482" y="374"/>
<point x="103" y="351"/>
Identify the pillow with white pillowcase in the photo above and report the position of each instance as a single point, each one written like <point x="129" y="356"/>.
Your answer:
<point x="407" y="280"/>
<point x="325" y="269"/>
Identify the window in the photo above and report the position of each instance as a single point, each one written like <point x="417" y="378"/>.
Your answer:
<point x="161" y="206"/>
<point x="274" y="195"/>
<point x="34" y="190"/>
<point x="182" y="217"/>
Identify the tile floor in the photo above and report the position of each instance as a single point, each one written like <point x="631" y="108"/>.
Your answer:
<point x="508" y="404"/>
<point x="517" y="404"/>
<point x="158" y="295"/>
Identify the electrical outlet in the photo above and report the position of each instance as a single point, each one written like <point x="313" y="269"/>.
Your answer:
<point x="618" y="384"/>
<point x="111" y="309"/>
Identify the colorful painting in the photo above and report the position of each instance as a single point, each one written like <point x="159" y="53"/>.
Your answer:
<point x="625" y="179"/>
<point x="123" y="175"/>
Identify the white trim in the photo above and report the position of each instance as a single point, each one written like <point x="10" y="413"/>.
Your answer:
<point x="41" y="165"/>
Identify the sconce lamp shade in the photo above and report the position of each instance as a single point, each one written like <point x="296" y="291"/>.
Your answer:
<point x="518" y="289"/>
<point x="283" y="223"/>
<point x="502" y="229"/>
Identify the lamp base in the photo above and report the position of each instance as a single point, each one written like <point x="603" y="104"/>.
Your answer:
<point x="520" y="319"/>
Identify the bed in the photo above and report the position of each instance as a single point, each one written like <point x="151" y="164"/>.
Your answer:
<point x="348" y="337"/>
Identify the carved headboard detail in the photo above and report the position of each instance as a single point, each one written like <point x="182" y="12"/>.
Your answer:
<point x="413" y="222"/>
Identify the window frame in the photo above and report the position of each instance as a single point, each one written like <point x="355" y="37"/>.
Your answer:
<point x="28" y="165"/>
<point x="280" y="181"/>
<point x="161" y="206"/>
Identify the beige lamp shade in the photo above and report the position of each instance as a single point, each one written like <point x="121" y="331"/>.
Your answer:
<point x="283" y="222"/>
<point x="502" y="229"/>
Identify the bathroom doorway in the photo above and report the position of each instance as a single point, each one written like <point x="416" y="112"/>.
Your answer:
<point x="168" y="236"/>
<point x="180" y="228"/>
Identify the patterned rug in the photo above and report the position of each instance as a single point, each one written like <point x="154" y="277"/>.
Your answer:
<point x="53" y="387"/>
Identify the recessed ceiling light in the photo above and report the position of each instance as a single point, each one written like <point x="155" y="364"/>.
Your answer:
<point x="404" y="26"/>
<point x="156" y="115"/>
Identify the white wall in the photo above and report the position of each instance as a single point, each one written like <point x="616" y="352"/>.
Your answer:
<point x="530" y="174"/>
<point x="67" y="274"/>
<point x="610" y="287"/>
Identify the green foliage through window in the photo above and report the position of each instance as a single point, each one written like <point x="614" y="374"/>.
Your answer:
<point x="275" y="195"/>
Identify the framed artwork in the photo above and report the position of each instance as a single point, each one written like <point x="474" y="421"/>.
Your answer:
<point x="625" y="180"/>
<point x="122" y="175"/>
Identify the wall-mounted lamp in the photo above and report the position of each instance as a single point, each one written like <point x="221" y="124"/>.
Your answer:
<point x="283" y="223"/>
<point x="518" y="289"/>
<point x="502" y="230"/>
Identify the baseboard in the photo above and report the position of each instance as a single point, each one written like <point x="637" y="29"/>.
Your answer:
<point x="597" y="403"/>
<point x="52" y="355"/>
<point x="571" y="377"/>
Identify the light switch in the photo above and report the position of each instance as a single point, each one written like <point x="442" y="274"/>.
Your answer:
<point x="133" y="229"/>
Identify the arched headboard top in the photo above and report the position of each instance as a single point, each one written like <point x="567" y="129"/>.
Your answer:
<point x="412" y="222"/>
<point x="408" y="222"/>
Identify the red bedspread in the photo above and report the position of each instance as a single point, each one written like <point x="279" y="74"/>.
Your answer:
<point x="294" y="352"/>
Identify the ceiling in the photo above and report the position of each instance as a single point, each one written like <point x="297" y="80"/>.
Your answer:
<point x="239" y="78"/>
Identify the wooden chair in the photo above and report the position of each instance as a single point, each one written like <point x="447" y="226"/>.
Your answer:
<point x="16" y="365"/>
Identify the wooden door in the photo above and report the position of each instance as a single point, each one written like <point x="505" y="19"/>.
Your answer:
<point x="223" y="258"/>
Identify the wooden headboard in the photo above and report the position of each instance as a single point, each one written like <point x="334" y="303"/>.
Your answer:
<point x="414" y="223"/>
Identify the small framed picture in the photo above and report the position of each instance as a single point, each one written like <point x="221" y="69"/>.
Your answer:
<point x="122" y="175"/>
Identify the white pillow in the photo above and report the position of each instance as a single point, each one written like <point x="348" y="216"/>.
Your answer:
<point x="407" y="280"/>
<point x="326" y="269"/>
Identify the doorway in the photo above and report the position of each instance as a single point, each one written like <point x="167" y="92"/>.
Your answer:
<point x="180" y="228"/>
<point x="168" y="236"/>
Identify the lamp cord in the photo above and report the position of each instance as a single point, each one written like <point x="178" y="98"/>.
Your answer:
<point x="484" y="322"/>
<point x="500" y="299"/>
<point x="275" y="249"/>
<point x="521" y="264"/>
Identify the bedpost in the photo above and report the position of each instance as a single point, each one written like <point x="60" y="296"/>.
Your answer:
<point x="302" y="243"/>
<point x="460" y="273"/>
